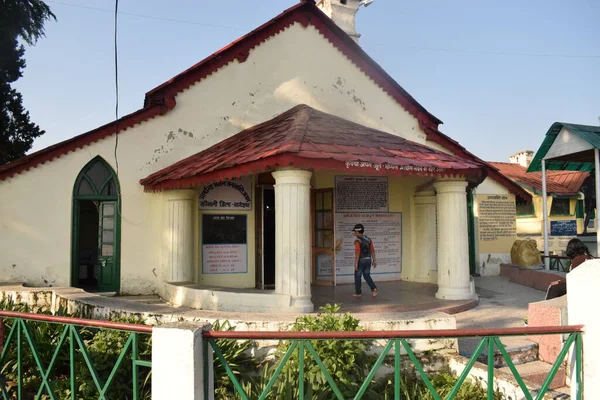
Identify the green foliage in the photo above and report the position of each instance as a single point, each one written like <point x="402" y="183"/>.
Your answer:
<point x="345" y="360"/>
<point x="237" y="354"/>
<point x="19" y="20"/>
<point x="102" y="345"/>
<point x="412" y="387"/>
<point x="348" y="363"/>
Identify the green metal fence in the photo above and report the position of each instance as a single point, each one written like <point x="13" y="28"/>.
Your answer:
<point x="558" y="263"/>
<point x="22" y="340"/>
<point x="300" y="342"/>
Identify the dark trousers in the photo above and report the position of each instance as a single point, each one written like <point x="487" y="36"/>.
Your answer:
<point x="364" y="269"/>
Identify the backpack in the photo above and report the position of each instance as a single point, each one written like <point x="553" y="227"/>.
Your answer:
<point x="365" y="246"/>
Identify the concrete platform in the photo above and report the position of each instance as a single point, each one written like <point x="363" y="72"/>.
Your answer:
<point x="392" y="297"/>
<point x="398" y="296"/>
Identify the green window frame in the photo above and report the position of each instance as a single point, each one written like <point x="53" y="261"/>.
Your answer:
<point x="525" y="209"/>
<point x="579" y="209"/>
<point x="560" y="206"/>
<point x="324" y="219"/>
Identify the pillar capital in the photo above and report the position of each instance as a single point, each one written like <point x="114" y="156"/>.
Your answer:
<point x="184" y="194"/>
<point x="450" y="186"/>
<point x="425" y="197"/>
<point x="292" y="177"/>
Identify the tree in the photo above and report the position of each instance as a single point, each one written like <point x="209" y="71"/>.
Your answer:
<point x="19" y="20"/>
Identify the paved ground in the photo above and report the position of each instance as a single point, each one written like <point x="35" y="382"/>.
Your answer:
<point x="502" y="304"/>
<point x="392" y="297"/>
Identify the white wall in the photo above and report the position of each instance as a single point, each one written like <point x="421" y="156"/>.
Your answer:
<point x="296" y="66"/>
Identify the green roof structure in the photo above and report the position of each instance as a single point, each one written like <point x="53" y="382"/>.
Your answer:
<point x="574" y="150"/>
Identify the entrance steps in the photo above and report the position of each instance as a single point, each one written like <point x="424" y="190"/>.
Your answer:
<point x="524" y="354"/>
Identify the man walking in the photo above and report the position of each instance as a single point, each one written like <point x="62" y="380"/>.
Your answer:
<point x="364" y="257"/>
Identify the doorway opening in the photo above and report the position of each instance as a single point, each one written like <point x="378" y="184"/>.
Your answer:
<point x="269" y="238"/>
<point x="88" y="245"/>
<point x="95" y="243"/>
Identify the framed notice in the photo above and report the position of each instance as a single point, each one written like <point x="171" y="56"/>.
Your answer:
<point x="385" y="229"/>
<point x="497" y="222"/>
<point x="235" y="194"/>
<point x="224" y="244"/>
<point x="361" y="194"/>
<point x="563" y="228"/>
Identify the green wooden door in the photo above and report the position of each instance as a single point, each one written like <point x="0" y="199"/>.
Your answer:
<point x="107" y="273"/>
<point x="98" y="183"/>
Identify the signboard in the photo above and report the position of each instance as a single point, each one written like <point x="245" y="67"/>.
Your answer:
<point x="497" y="217"/>
<point x="385" y="229"/>
<point x="227" y="195"/>
<point x="324" y="265"/>
<point x="563" y="228"/>
<point x="361" y="194"/>
<point x="224" y="244"/>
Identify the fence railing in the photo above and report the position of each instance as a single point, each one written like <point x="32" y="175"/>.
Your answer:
<point x="558" y="263"/>
<point x="300" y="342"/>
<point x="21" y="348"/>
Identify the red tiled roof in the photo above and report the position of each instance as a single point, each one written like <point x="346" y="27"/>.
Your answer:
<point x="162" y="98"/>
<point x="307" y="138"/>
<point x="561" y="183"/>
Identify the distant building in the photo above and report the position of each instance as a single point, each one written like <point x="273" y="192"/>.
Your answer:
<point x="565" y="200"/>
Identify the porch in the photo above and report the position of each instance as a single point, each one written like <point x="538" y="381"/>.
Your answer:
<point x="394" y="297"/>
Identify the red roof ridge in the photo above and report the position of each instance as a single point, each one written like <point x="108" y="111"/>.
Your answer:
<point x="61" y="148"/>
<point x="162" y="98"/>
<point x="306" y="137"/>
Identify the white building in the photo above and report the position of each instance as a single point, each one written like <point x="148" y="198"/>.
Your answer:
<point x="318" y="136"/>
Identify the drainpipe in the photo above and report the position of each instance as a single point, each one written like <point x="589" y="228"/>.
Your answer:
<point x="545" y="219"/>
<point x="597" y="179"/>
<point x="471" y="219"/>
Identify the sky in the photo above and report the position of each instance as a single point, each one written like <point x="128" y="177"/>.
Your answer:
<point x="497" y="73"/>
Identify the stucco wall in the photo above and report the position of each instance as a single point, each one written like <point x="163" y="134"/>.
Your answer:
<point x="401" y="192"/>
<point x="35" y="206"/>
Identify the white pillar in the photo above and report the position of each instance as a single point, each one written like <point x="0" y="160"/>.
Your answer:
<point x="180" y="228"/>
<point x="545" y="217"/>
<point x="177" y="362"/>
<point x="454" y="279"/>
<point x="582" y="290"/>
<point x="425" y="235"/>
<point x="292" y="237"/>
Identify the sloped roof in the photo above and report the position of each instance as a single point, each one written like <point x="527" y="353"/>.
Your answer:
<point x="574" y="162"/>
<point x="161" y="99"/>
<point x="305" y="137"/>
<point x="560" y="183"/>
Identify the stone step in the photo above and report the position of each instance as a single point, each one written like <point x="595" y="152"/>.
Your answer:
<point x="536" y="373"/>
<point x="519" y="350"/>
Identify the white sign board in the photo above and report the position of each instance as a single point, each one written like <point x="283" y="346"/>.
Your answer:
<point x="385" y="229"/>
<point x="324" y="264"/>
<point x="361" y="194"/>
<point x="227" y="195"/>
<point x="224" y="258"/>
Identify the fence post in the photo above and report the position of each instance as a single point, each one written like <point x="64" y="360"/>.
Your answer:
<point x="177" y="362"/>
<point x="582" y="299"/>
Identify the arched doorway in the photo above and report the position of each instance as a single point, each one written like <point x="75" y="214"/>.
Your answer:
<point x="96" y="231"/>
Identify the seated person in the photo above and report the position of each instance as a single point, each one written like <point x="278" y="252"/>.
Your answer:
<point x="577" y="252"/>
